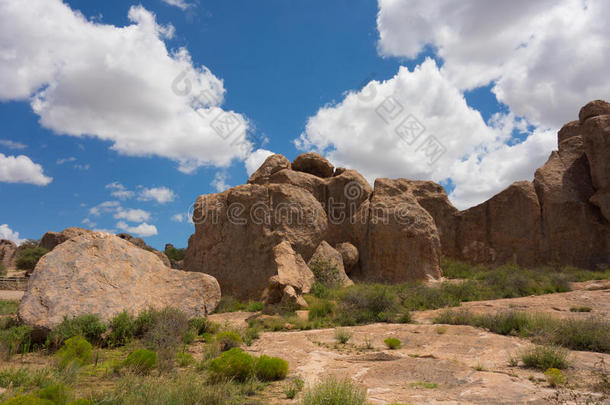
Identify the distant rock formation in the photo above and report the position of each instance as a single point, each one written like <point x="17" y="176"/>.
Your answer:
<point x="8" y="253"/>
<point x="102" y="274"/>
<point x="398" y="230"/>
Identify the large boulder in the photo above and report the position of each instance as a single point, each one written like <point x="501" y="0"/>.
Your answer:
<point x="102" y="274"/>
<point x="272" y="164"/>
<point x="328" y="259"/>
<point x="593" y="109"/>
<point x="313" y="163"/>
<point x="8" y="253"/>
<point x="52" y="239"/>
<point x="349" y="254"/>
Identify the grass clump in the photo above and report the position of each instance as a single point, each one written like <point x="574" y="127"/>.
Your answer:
<point x="141" y="361"/>
<point x="296" y="386"/>
<point x="424" y="384"/>
<point x="75" y="350"/>
<point x="545" y="357"/>
<point x="554" y="377"/>
<point x="270" y="368"/>
<point x="232" y="364"/>
<point x="343" y="335"/>
<point x="332" y="391"/>
<point x="15" y="339"/>
<point x="392" y="343"/>
<point x="88" y="326"/>
<point x="164" y="335"/>
<point x="228" y="340"/>
<point x="320" y="309"/>
<point x="361" y="303"/>
<point x="231" y="304"/>
<point x="122" y="329"/>
<point x="8" y="307"/>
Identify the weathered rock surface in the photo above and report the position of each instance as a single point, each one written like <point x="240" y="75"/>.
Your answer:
<point x="349" y="254"/>
<point x="326" y="254"/>
<point x="8" y="253"/>
<point x="51" y="239"/>
<point x="596" y="137"/>
<point x="313" y="163"/>
<point x="104" y="275"/>
<point x="593" y="109"/>
<point x="272" y="164"/>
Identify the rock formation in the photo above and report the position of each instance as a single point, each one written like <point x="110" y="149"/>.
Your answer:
<point x="328" y="258"/>
<point x="8" y="253"/>
<point x="103" y="274"/>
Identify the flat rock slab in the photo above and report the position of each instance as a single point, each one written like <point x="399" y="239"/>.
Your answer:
<point x="103" y="274"/>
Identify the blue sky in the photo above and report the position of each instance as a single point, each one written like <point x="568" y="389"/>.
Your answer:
<point x="290" y="71"/>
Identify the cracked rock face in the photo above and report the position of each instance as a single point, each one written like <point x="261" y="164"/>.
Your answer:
<point x="103" y="274"/>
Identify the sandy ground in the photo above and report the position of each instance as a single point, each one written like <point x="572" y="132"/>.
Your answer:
<point x="10" y="295"/>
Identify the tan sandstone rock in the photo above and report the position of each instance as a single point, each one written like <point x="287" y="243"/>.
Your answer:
<point x="104" y="275"/>
<point x="272" y="164"/>
<point x="313" y="163"/>
<point x="325" y="253"/>
<point x="593" y="109"/>
<point x="8" y="253"/>
<point x="349" y="254"/>
<point x="51" y="239"/>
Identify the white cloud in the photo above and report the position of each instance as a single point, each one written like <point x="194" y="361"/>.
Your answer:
<point x="132" y="215"/>
<point x="161" y="195"/>
<point x="20" y="169"/>
<point x="256" y="159"/>
<point x="7" y="143"/>
<point x="546" y="58"/>
<point x="65" y="160"/>
<point x="89" y="223"/>
<point x="181" y="4"/>
<point x="119" y="84"/>
<point x="178" y="217"/>
<point x="476" y="158"/>
<point x="8" y="233"/>
<point x="105" y="207"/>
<point x="82" y="167"/>
<point x="120" y="191"/>
<point x="142" y="230"/>
<point x="220" y="182"/>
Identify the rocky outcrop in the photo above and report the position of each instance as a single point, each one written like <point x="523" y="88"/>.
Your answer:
<point x="102" y="274"/>
<point x="349" y="254"/>
<point x="8" y="253"/>
<point x="313" y="163"/>
<point x="327" y="259"/>
<point x="596" y="137"/>
<point x="52" y="239"/>
<point x="272" y="164"/>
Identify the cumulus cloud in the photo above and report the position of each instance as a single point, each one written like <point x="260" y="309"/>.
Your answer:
<point x="181" y="4"/>
<point x="21" y="169"/>
<point x="132" y="215"/>
<point x="178" y="217"/>
<point x="7" y="233"/>
<point x="256" y="159"/>
<point x="119" y="84"/>
<point x="142" y="230"/>
<point x="105" y="207"/>
<point x="120" y="191"/>
<point x="418" y="125"/>
<point x="546" y="58"/>
<point x="162" y="195"/>
<point x="220" y="182"/>
<point x="7" y="143"/>
<point x="65" y="160"/>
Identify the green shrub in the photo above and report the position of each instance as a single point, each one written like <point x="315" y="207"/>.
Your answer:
<point x="325" y="273"/>
<point x="270" y="368"/>
<point x="251" y="334"/>
<point x="143" y="322"/>
<point x="554" y="377"/>
<point x="15" y="339"/>
<point x="8" y="307"/>
<point x="203" y="325"/>
<point x="296" y="386"/>
<point x="232" y="364"/>
<point x="392" y="343"/>
<point x="81" y="401"/>
<point x="28" y="255"/>
<point x="319" y="290"/>
<point x="122" y="329"/>
<point x="228" y="340"/>
<point x="88" y="326"/>
<point x="332" y="391"/>
<point x="320" y="309"/>
<point x="184" y="359"/>
<point x="175" y="254"/>
<point x="75" y="350"/>
<point x="363" y="303"/>
<point x="58" y="394"/>
<point x="141" y="361"/>
<point x="581" y="309"/>
<point x="342" y="335"/>
<point x="29" y="399"/>
<point x="166" y="333"/>
<point x="545" y="357"/>
<point x="229" y="304"/>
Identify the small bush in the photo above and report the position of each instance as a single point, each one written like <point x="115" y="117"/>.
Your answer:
<point x="14" y="340"/>
<point x="232" y="364"/>
<point x="165" y="334"/>
<point x="296" y="386"/>
<point x="342" y="335"/>
<point x="270" y="368"/>
<point x="141" y="361"/>
<point x="58" y="394"/>
<point x="122" y="329"/>
<point x="325" y="273"/>
<point x="581" y="309"/>
<point x="545" y="357"/>
<point x="184" y="359"/>
<point x="228" y="340"/>
<point x="202" y="325"/>
<point x="363" y="303"/>
<point x="229" y="304"/>
<point x="28" y="255"/>
<point x="254" y="306"/>
<point x="75" y="350"/>
<point x="251" y="334"/>
<point x="320" y="309"/>
<point x="88" y="326"/>
<point x="554" y="377"/>
<point x="392" y="343"/>
<point x="332" y="391"/>
<point x="29" y="399"/>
